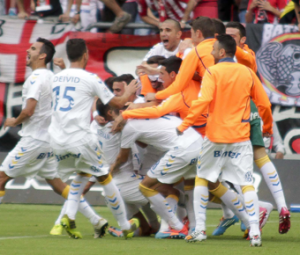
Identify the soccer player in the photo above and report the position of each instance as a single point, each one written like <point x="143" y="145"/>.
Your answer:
<point x="200" y="58"/>
<point x="246" y="56"/>
<point x="179" y="161"/>
<point x="33" y="156"/>
<point x="74" y="146"/>
<point x="227" y="146"/>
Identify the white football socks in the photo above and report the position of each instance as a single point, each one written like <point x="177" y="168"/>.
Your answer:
<point x="200" y="205"/>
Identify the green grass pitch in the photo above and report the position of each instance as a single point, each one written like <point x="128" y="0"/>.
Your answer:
<point x="24" y="229"/>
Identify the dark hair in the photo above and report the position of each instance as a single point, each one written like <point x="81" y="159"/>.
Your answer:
<point x="156" y="59"/>
<point x="104" y="108"/>
<point x="175" y="22"/>
<point x="205" y="25"/>
<point x="227" y="43"/>
<point x="237" y="25"/>
<point x="124" y="77"/>
<point x="220" y="28"/>
<point x="47" y="48"/>
<point x="75" y="49"/>
<point x="109" y="82"/>
<point x="172" y="64"/>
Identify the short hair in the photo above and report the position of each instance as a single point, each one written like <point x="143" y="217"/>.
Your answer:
<point x="104" y="108"/>
<point x="205" y="25"/>
<point x="175" y="22"/>
<point x="172" y="63"/>
<point x="75" y="49"/>
<point x="220" y="28"/>
<point x="109" y="82"/>
<point x="237" y="25"/>
<point x="227" y="43"/>
<point x="156" y="59"/>
<point x="124" y="77"/>
<point x="47" y="48"/>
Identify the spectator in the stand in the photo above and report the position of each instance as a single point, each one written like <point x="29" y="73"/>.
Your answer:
<point x="130" y="6"/>
<point x="208" y="8"/>
<point x="228" y="10"/>
<point x="242" y="4"/>
<point x="167" y="9"/>
<point x="12" y="8"/>
<point x="264" y="11"/>
<point x="40" y="8"/>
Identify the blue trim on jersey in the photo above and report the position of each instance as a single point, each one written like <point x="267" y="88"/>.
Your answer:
<point x="227" y="60"/>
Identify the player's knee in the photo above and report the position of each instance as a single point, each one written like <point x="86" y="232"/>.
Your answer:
<point x="3" y="180"/>
<point x="104" y="179"/>
<point x="147" y="192"/>
<point x="247" y="188"/>
<point x="260" y="162"/>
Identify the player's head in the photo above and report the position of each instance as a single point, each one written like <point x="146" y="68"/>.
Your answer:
<point x="106" y="111"/>
<point x="77" y="51"/>
<point x="220" y="28"/>
<point x="202" y="28"/>
<point x="237" y="31"/>
<point x="120" y="82"/>
<point x="170" y="34"/>
<point x="169" y="69"/>
<point x="40" y="53"/>
<point x="109" y="83"/>
<point x="224" y="47"/>
<point x="155" y="61"/>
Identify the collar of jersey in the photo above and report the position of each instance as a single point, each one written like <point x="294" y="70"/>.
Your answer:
<point x="227" y="60"/>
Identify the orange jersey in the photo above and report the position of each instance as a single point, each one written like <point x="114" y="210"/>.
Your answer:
<point x="198" y="60"/>
<point x="146" y="85"/>
<point x="229" y="103"/>
<point x="179" y="103"/>
<point x="246" y="57"/>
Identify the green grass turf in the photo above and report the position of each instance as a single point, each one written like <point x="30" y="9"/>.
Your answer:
<point x="24" y="229"/>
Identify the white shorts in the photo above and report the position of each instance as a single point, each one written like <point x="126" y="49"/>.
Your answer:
<point x="149" y="158"/>
<point x="84" y="156"/>
<point x="231" y="162"/>
<point x="30" y="158"/>
<point x="177" y="163"/>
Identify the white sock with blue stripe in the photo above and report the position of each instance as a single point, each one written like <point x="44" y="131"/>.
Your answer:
<point x="74" y="197"/>
<point x="200" y="204"/>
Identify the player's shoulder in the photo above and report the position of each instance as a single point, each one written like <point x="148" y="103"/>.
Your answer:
<point x="40" y="75"/>
<point x="158" y="46"/>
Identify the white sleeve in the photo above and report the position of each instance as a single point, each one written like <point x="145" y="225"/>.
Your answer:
<point x="135" y="157"/>
<point x="34" y="87"/>
<point x="152" y="52"/>
<point x="277" y="142"/>
<point x="100" y="89"/>
<point x="129" y="136"/>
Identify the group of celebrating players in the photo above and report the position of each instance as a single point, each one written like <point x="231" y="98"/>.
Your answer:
<point x="184" y="134"/>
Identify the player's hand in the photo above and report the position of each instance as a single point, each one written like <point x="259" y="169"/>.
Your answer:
<point x="131" y="106"/>
<point x="64" y="17"/>
<point x="187" y="43"/>
<point x="23" y="15"/>
<point x="59" y="62"/>
<point x="179" y="132"/>
<point x="279" y="155"/>
<point x="10" y="122"/>
<point x="118" y="124"/>
<point x="150" y="97"/>
<point x="254" y="4"/>
<point x="268" y="135"/>
<point x="76" y="18"/>
<point x="100" y="120"/>
<point x="132" y="87"/>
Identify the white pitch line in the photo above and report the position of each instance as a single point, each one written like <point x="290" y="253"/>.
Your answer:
<point x="21" y="237"/>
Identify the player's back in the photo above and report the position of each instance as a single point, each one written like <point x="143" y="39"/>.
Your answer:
<point x="73" y="96"/>
<point x="229" y="112"/>
<point x="160" y="133"/>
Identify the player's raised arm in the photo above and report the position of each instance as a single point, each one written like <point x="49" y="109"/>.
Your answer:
<point x="261" y="100"/>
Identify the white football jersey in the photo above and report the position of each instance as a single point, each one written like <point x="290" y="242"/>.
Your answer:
<point x="160" y="133"/>
<point x="110" y="144"/>
<point x="73" y="95"/>
<point x="38" y="87"/>
<point x="159" y="49"/>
